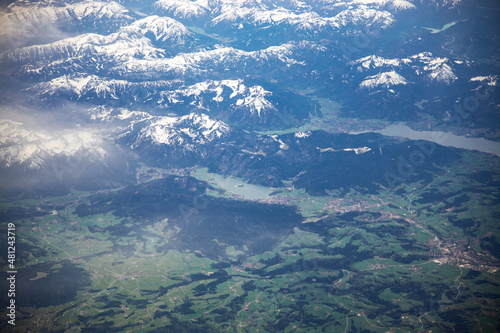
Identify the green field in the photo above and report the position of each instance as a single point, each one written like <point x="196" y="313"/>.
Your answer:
<point x="399" y="261"/>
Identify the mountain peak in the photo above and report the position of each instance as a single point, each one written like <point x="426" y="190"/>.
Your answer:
<point x="181" y="9"/>
<point x="162" y="28"/>
<point x="383" y="80"/>
<point x="186" y="132"/>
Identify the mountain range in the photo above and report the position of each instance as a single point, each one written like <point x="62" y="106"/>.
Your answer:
<point x="169" y="80"/>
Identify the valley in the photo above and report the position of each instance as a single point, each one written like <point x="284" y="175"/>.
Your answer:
<point x="249" y="166"/>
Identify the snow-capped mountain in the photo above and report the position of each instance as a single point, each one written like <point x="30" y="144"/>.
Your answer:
<point x="435" y="69"/>
<point x="101" y="89"/>
<point x="393" y="83"/>
<point x="182" y="9"/>
<point x="25" y="20"/>
<point x="184" y="135"/>
<point x="383" y="80"/>
<point x="165" y="30"/>
<point x="283" y="19"/>
<point x="490" y="80"/>
<point x="305" y="21"/>
<point x="401" y="5"/>
<point x="183" y="79"/>
<point x="230" y="100"/>
<point x="131" y="58"/>
<point x="438" y="4"/>
<point x="373" y="61"/>
<point x="93" y="52"/>
<point x="206" y="63"/>
<point x="32" y="149"/>
<point x="252" y="99"/>
<point x="266" y="11"/>
<point x="35" y="159"/>
<point x="233" y="101"/>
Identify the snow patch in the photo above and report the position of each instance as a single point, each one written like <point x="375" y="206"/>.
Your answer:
<point x="383" y="80"/>
<point x="302" y="135"/>
<point x="186" y="132"/>
<point x="21" y="145"/>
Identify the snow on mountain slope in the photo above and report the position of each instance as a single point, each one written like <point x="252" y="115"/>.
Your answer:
<point x="181" y="9"/>
<point x="365" y="16"/>
<point x="23" y="20"/>
<point x="141" y="130"/>
<point x="115" y="47"/>
<point x="232" y="101"/>
<point x="114" y="119"/>
<point x="392" y="4"/>
<point x="449" y="4"/>
<point x="260" y="17"/>
<point x="373" y="61"/>
<point x="491" y="80"/>
<point x="20" y="145"/>
<point x="202" y="63"/>
<point x="384" y="80"/>
<point x="435" y="69"/>
<point x="255" y="101"/>
<point x="164" y="29"/>
<point x="302" y="16"/>
<point x="209" y="86"/>
<point x="77" y="87"/>
<point x="124" y="54"/>
<point x="247" y="99"/>
<point x="186" y="133"/>
<point x="401" y="5"/>
<point x="304" y="21"/>
<point x="93" y="52"/>
<point x="129" y="41"/>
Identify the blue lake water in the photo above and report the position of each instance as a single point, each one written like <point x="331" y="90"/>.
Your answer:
<point x="442" y="138"/>
<point x="236" y="186"/>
